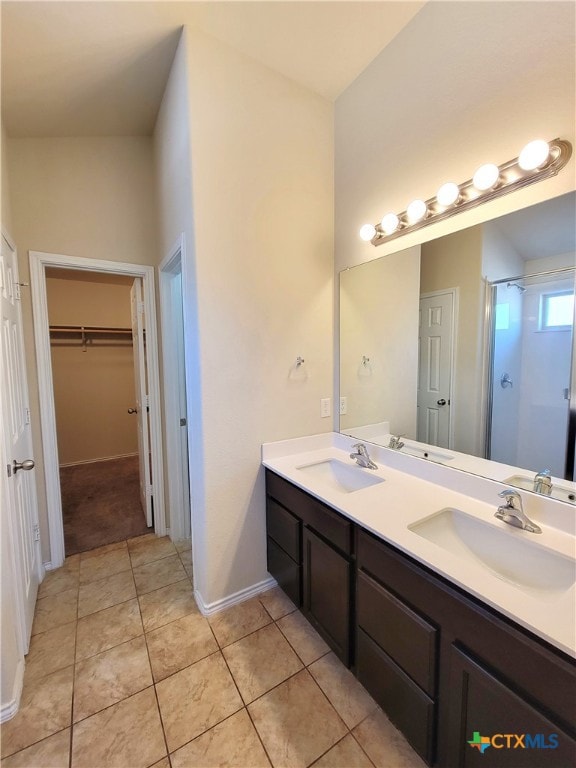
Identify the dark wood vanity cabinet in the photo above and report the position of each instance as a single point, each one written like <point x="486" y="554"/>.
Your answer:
<point x="444" y="667"/>
<point x="309" y="549"/>
<point x="442" y="664"/>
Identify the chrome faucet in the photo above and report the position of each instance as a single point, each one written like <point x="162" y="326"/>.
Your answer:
<point x="543" y="482"/>
<point x="362" y="458"/>
<point x="395" y="442"/>
<point x="514" y="515"/>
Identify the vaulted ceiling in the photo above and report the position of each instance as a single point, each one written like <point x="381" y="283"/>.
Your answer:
<point x="77" y="68"/>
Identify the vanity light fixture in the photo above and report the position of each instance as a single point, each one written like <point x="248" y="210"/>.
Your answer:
<point x="486" y="177"/>
<point x="538" y="160"/>
<point x="534" y="155"/>
<point x="367" y="232"/>
<point x="448" y="194"/>
<point x="416" y="211"/>
<point x="389" y="223"/>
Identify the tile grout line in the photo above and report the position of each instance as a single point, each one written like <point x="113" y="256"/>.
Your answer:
<point x="220" y="647"/>
<point x="154" y="685"/>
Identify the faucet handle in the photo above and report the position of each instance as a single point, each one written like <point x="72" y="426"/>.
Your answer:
<point x="510" y="496"/>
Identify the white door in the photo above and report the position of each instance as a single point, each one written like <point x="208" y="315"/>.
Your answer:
<point x="173" y="351"/>
<point x="18" y="466"/>
<point x="435" y="368"/>
<point x="141" y="389"/>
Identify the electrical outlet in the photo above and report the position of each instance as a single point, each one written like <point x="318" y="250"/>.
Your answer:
<point x="325" y="409"/>
<point x="343" y="406"/>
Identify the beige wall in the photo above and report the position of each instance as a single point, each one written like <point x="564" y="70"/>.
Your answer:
<point x="6" y="204"/>
<point x="93" y="387"/>
<point x="260" y="268"/>
<point x="462" y="84"/>
<point x="455" y="261"/>
<point x="89" y="197"/>
<point x="382" y="325"/>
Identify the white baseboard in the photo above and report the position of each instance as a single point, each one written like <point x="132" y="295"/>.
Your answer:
<point x="9" y="708"/>
<point x="96" y="461"/>
<point x="207" y="609"/>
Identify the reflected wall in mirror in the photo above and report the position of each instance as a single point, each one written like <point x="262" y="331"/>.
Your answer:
<point x="453" y="344"/>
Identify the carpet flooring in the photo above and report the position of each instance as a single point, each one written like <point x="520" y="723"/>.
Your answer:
<point x="101" y="504"/>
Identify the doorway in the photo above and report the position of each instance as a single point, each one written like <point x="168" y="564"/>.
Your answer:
<point x="146" y="408"/>
<point x="95" y="353"/>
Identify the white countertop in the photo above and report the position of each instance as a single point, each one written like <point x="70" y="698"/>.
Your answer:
<point x="414" y="489"/>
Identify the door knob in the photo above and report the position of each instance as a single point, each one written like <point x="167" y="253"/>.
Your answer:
<point x="132" y="410"/>
<point x="441" y="402"/>
<point x="27" y="464"/>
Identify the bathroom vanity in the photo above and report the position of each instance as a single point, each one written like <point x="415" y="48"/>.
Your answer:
<point x="452" y="650"/>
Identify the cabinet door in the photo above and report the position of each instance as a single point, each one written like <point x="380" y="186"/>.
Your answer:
<point x="326" y="593"/>
<point x="504" y="729"/>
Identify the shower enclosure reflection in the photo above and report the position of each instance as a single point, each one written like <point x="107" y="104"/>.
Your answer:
<point x="531" y="371"/>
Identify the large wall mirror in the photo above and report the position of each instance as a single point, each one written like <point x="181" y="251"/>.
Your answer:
<point x="464" y="346"/>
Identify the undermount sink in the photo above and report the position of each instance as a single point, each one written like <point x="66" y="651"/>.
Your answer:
<point x="508" y="555"/>
<point x="342" y="477"/>
<point x="561" y="492"/>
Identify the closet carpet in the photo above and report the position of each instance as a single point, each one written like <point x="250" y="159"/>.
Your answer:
<point x="101" y="504"/>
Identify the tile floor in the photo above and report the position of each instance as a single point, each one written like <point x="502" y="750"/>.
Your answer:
<point x="124" y="672"/>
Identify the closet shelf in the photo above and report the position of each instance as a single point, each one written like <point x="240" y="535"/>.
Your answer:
<point x="87" y="334"/>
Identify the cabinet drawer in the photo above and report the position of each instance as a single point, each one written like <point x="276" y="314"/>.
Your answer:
<point x="284" y="529"/>
<point x="330" y="524"/>
<point x="287" y="573"/>
<point x="402" y="700"/>
<point x="402" y="633"/>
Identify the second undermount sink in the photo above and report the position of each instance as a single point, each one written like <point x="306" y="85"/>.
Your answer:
<point x="561" y="492"/>
<point x="342" y="477"/>
<point x="507" y="554"/>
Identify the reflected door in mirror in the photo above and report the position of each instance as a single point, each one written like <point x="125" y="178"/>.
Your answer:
<point x="435" y="368"/>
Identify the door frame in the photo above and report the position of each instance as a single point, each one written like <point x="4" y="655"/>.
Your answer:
<point x="174" y="372"/>
<point x="455" y="293"/>
<point x="39" y="261"/>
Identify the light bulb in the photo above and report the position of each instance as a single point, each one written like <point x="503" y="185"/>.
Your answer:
<point x="416" y="211"/>
<point x="486" y="177"/>
<point x="448" y="194"/>
<point x="367" y="232"/>
<point x="534" y="155"/>
<point x="390" y="223"/>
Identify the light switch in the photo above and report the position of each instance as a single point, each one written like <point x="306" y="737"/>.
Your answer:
<point x="325" y="409"/>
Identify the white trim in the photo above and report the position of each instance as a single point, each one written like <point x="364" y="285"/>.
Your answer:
<point x="177" y="479"/>
<point x="97" y="461"/>
<point x="10" y="708"/>
<point x="38" y="263"/>
<point x="207" y="609"/>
